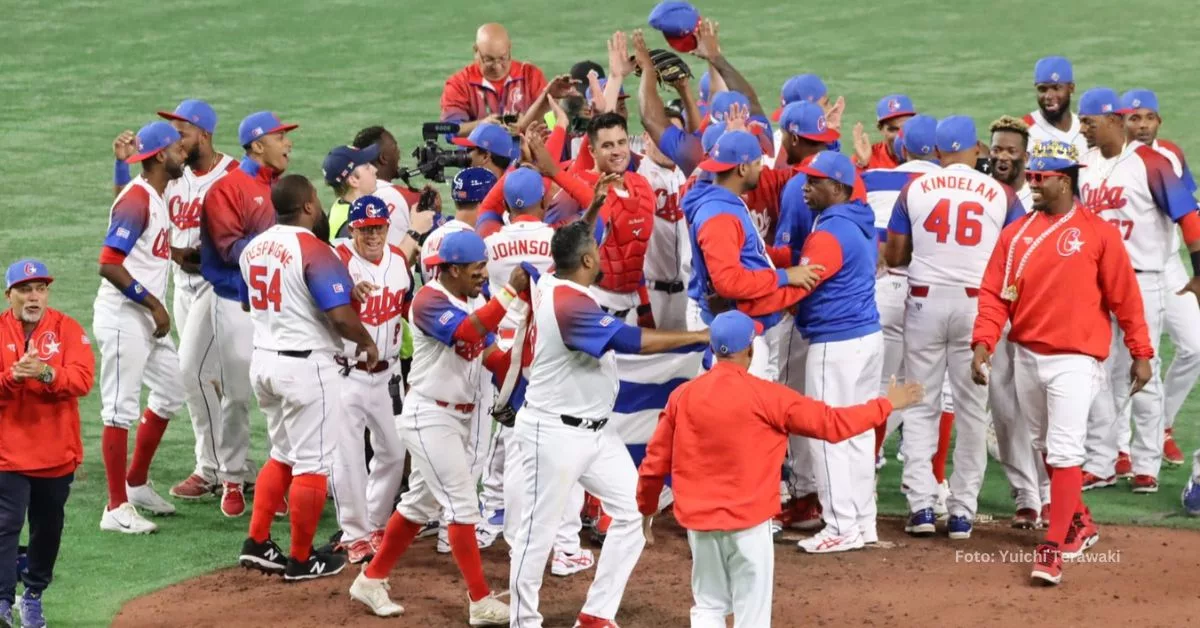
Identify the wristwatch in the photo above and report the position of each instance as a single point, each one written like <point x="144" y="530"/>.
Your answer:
<point x="47" y="374"/>
<point x="414" y="234"/>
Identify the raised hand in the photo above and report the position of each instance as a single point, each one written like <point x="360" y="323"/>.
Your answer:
<point x="519" y="279"/>
<point x="125" y="145"/>
<point x="862" y="144"/>
<point x="738" y="118"/>
<point x="599" y="105"/>
<point x="561" y="87"/>
<point x="539" y="156"/>
<point x="708" y="45"/>
<point x="640" y="52"/>
<point x="833" y="114"/>
<point x="619" y="64"/>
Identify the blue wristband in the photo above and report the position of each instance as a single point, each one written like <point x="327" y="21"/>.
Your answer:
<point x="136" y="292"/>
<point x="121" y="174"/>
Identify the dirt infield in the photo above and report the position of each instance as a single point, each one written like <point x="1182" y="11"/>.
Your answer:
<point x="1138" y="577"/>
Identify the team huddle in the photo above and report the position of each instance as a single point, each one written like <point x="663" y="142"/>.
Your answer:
<point x="1017" y="286"/>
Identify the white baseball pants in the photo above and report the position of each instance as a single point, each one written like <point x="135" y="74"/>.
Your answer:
<point x="566" y="538"/>
<point x="1148" y="410"/>
<point x="491" y="497"/>
<point x="1181" y="321"/>
<point x="732" y="573"/>
<point x="1017" y="455"/>
<point x="235" y="342"/>
<point x="846" y="373"/>
<point x="793" y="354"/>
<point x="301" y="398"/>
<point x="555" y="456"/>
<point x="436" y="438"/>
<point x="891" y="292"/>
<point x="763" y="364"/>
<point x="670" y="309"/>
<point x="1056" y="393"/>
<point x="1100" y="444"/>
<point x="937" y="347"/>
<point x="365" y="499"/>
<point x="130" y="357"/>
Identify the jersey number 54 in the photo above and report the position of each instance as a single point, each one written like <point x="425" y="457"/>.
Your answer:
<point x="968" y="231"/>
<point x="264" y="293"/>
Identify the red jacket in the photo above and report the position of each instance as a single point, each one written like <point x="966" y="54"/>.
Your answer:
<point x="1071" y="282"/>
<point x="236" y="208"/>
<point x="39" y="423"/>
<point x="724" y="450"/>
<point x="468" y="97"/>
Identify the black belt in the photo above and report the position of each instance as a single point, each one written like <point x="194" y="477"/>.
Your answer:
<point x="343" y="362"/>
<point x="669" y="287"/>
<point x="621" y="314"/>
<point x="295" y="354"/>
<point x="587" y="424"/>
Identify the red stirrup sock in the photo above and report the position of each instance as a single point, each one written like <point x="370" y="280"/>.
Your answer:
<point x="397" y="536"/>
<point x="1066" y="493"/>
<point x="466" y="554"/>
<point x="114" y="446"/>
<point x="945" y="426"/>
<point x="306" y="500"/>
<point x="269" y="489"/>
<point x="149" y="435"/>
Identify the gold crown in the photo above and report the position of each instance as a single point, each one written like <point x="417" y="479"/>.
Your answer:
<point x="1052" y="149"/>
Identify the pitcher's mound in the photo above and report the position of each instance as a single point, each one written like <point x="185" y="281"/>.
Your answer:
<point x="1133" y="577"/>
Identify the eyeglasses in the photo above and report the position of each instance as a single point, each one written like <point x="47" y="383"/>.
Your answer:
<point x="1037" y="178"/>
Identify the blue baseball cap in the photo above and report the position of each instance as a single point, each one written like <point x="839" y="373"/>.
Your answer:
<point x="1138" y="99"/>
<point x="718" y="108"/>
<point x="807" y="119"/>
<point x="489" y="137"/>
<point x="710" y="136"/>
<point x="342" y="160"/>
<point x="732" y="332"/>
<point x="24" y="271"/>
<point x="1053" y="70"/>
<point x="830" y="164"/>
<point x="1052" y="156"/>
<point x="368" y="211"/>
<point x="471" y="185"/>
<point x="1099" y="101"/>
<point x="259" y="124"/>
<point x="705" y="86"/>
<point x="195" y="112"/>
<point x="919" y="135"/>
<point x="523" y="188"/>
<point x="802" y="87"/>
<point x="461" y="247"/>
<point x="955" y="133"/>
<point x="678" y="22"/>
<point x="732" y="150"/>
<point x="588" y="94"/>
<point x="894" y="106"/>
<point x="152" y="139"/>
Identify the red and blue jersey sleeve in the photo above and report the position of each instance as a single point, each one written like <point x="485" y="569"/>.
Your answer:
<point x="681" y="147"/>
<point x="1169" y="193"/>
<point x="583" y="325"/>
<point x="1016" y="210"/>
<point x="900" y="222"/>
<point x="327" y="279"/>
<point x="436" y="316"/>
<point x="795" y="217"/>
<point x="1185" y="174"/>
<point x="130" y="215"/>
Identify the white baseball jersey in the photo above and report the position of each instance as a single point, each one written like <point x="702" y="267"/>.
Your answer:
<point x="1138" y="192"/>
<point x="397" y="210"/>
<point x="434" y="241"/>
<point x="138" y="228"/>
<point x="293" y="279"/>
<point x="184" y="197"/>
<point x="1025" y="196"/>
<point x="573" y="372"/>
<point x="444" y="368"/>
<point x="1177" y="166"/>
<point x="954" y="217"/>
<point x="669" y="253"/>
<point x="526" y="239"/>
<point x="383" y="311"/>
<point x="1042" y="131"/>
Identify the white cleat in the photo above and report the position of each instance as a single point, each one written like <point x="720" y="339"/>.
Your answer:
<point x="443" y="540"/>
<point x="489" y="611"/>
<point x="126" y="520"/>
<point x="939" y="508"/>
<point x="145" y="498"/>
<point x="374" y="593"/>
<point x="485" y="535"/>
<point x="566" y="564"/>
<point x="828" y="542"/>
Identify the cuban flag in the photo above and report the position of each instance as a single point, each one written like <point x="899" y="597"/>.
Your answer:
<point x="647" y="381"/>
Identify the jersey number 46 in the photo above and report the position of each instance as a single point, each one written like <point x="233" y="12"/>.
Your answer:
<point x="968" y="231"/>
<point x="264" y="293"/>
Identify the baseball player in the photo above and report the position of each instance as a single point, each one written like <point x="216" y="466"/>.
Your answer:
<point x="1054" y="80"/>
<point x="560" y="428"/>
<point x="382" y="293"/>
<point x="1181" y="317"/>
<point x="452" y="343"/>
<point x="800" y="88"/>
<point x="943" y="228"/>
<point x="1135" y="188"/>
<point x="131" y="326"/>
<point x="1061" y="336"/>
<point x="236" y="208"/>
<point x="300" y="306"/>
<point x="668" y="256"/>
<point x="838" y="318"/>
<point x="721" y="453"/>
<point x="891" y="114"/>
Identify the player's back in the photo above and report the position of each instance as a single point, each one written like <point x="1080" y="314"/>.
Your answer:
<point x="956" y="215"/>
<point x="884" y="184"/>
<point x="293" y="278"/>
<point x="433" y="242"/>
<point x="669" y="252"/>
<point x="139" y="227"/>
<point x="526" y="239"/>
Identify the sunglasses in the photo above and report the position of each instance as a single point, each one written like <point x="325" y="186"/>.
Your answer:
<point x="1037" y="178"/>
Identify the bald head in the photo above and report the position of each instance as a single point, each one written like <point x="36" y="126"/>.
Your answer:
<point x="493" y="51"/>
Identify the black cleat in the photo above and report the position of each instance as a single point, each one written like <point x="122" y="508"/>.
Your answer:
<point x="265" y="557"/>
<point x="318" y="565"/>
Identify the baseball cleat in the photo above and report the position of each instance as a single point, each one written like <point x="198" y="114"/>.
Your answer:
<point x="318" y="565"/>
<point x="1047" y="565"/>
<point x="443" y="540"/>
<point x="922" y="523"/>
<point x="1124" y="466"/>
<point x="374" y="593"/>
<point x="428" y="530"/>
<point x="233" y="500"/>
<point x="1145" y="484"/>
<point x="1081" y="536"/>
<point x="1025" y="519"/>
<point x="943" y="494"/>
<point x="1171" y="452"/>
<point x="194" y="487"/>
<point x="591" y="621"/>
<point x="265" y="557"/>
<point x="1044" y="517"/>
<point x="488" y="611"/>
<point x="803" y="513"/>
<point x="126" y="520"/>
<point x="1191" y="497"/>
<point x="376" y="541"/>
<point x="566" y="564"/>
<point x="1091" y="481"/>
<point x="959" y="527"/>
<point x="359" y="551"/>
<point x="30" y="610"/>
<point x="145" y="498"/>
<point x="485" y="536"/>
<point x="827" y="542"/>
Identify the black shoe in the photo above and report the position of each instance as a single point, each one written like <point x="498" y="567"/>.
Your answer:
<point x="265" y="557"/>
<point x="318" y="565"/>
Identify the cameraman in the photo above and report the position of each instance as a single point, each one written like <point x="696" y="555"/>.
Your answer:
<point x="493" y="87"/>
<point x="489" y="146"/>
<point x="399" y="198"/>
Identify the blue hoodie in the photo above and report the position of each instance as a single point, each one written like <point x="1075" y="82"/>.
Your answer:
<point x="843" y="306"/>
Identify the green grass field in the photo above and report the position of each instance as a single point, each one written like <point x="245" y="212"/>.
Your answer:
<point x="76" y="73"/>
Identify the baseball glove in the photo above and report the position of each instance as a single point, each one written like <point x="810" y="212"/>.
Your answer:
<point x="670" y="66"/>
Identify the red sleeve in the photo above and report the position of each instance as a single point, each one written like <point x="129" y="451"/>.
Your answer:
<point x="789" y="411"/>
<point x="657" y="463"/>
<point x="770" y="187"/>
<point x="489" y="316"/>
<point x="881" y="157"/>
<point x="576" y="188"/>
<point x="821" y="248"/>
<point x="535" y="82"/>
<point x="558" y="139"/>
<point x="74" y="377"/>
<point x="109" y="255"/>
<point x="1190" y="224"/>
<point x="498" y="362"/>
<point x="993" y="312"/>
<point x="781" y="256"/>
<point x="456" y="98"/>
<point x="222" y="219"/>
<point x="1120" y="291"/>
<point x="1028" y="118"/>
<point x="720" y="239"/>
